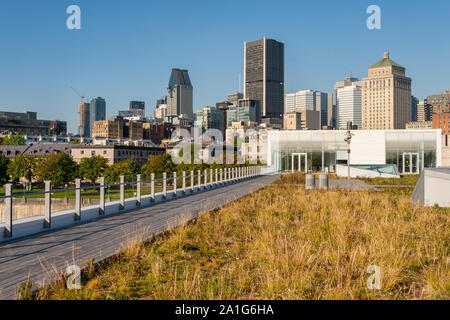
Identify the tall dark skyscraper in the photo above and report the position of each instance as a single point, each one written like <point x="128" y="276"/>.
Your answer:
<point x="180" y="95"/>
<point x="264" y="75"/>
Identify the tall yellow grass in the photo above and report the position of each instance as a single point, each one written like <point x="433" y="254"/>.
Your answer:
<point x="286" y="243"/>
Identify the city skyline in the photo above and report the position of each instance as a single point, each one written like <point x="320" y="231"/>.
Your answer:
<point x="39" y="79"/>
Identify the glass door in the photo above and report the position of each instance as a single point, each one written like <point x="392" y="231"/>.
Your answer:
<point x="410" y="163"/>
<point x="299" y="162"/>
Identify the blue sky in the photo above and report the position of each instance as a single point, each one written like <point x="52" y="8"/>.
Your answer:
<point x="125" y="49"/>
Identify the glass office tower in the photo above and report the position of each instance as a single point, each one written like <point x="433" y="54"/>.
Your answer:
<point x="97" y="111"/>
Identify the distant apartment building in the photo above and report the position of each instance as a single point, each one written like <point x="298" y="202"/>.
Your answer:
<point x="309" y="100"/>
<point x="136" y="109"/>
<point x="272" y="123"/>
<point x="264" y="75"/>
<point x="292" y="121"/>
<point x="238" y="129"/>
<point x="181" y="120"/>
<point x="35" y="149"/>
<point x="419" y="125"/>
<point x="233" y="98"/>
<point x="211" y="118"/>
<point x="162" y="100"/>
<point x="246" y="112"/>
<point x="133" y="130"/>
<point x="440" y="105"/>
<point x="347" y="82"/>
<point x="114" y="153"/>
<point x="414" y="103"/>
<point x="440" y="102"/>
<point x="26" y="123"/>
<point x="441" y="121"/>
<point x="301" y="100"/>
<point x="156" y="132"/>
<point x="84" y="115"/>
<point x="112" y="129"/>
<point x="97" y="111"/>
<point x="161" y="112"/>
<point x="349" y="106"/>
<point x="180" y="95"/>
<point x="310" y="120"/>
<point x="424" y="111"/>
<point x="224" y="105"/>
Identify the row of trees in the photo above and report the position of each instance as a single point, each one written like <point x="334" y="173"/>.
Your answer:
<point x="61" y="169"/>
<point x="13" y="140"/>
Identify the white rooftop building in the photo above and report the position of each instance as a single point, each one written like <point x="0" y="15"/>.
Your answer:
<point x="312" y="150"/>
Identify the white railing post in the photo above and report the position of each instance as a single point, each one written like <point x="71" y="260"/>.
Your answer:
<point x="199" y="178"/>
<point x="138" y="189"/>
<point x="211" y="177"/>
<point x="206" y="177"/>
<point x="77" y="200"/>
<point x="48" y="205"/>
<point x="217" y="176"/>
<point x="122" y="193"/>
<point x="184" y="182"/>
<point x="221" y="175"/>
<point x="152" y="187"/>
<point x="8" y="211"/>
<point x="192" y="181"/>
<point x="174" y="184"/>
<point x="101" y="208"/>
<point x="164" y="185"/>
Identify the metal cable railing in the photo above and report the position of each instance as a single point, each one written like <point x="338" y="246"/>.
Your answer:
<point x="199" y="180"/>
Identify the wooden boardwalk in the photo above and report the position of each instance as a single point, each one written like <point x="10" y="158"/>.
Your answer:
<point x="42" y="257"/>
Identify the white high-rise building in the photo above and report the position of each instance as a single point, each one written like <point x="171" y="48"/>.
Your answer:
<point x="301" y="100"/>
<point x="311" y="100"/>
<point x="349" y="106"/>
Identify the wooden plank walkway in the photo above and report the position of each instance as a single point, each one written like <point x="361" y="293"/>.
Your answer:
<point x="41" y="257"/>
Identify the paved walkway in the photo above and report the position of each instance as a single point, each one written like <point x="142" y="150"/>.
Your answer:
<point x="42" y="257"/>
<point x="351" y="184"/>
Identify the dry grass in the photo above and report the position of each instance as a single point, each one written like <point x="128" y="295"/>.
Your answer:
<point x="285" y="243"/>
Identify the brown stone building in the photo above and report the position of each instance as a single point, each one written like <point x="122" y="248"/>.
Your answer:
<point x="386" y="101"/>
<point x="114" y="153"/>
<point x="118" y="128"/>
<point x="442" y="121"/>
<point x="302" y="120"/>
<point x="108" y="129"/>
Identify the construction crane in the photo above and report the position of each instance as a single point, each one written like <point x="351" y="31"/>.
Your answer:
<point x="78" y="94"/>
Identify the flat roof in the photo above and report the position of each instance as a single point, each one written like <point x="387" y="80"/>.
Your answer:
<point x="97" y="146"/>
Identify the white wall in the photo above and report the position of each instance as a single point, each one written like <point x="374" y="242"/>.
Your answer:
<point x="342" y="171"/>
<point x="368" y="147"/>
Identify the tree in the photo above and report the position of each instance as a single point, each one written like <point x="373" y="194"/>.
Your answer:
<point x="57" y="167"/>
<point x="134" y="166"/>
<point x="158" y="164"/>
<point x="112" y="173"/>
<point x="22" y="166"/>
<point x="4" y="161"/>
<point x="92" y="168"/>
<point x="16" y="140"/>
